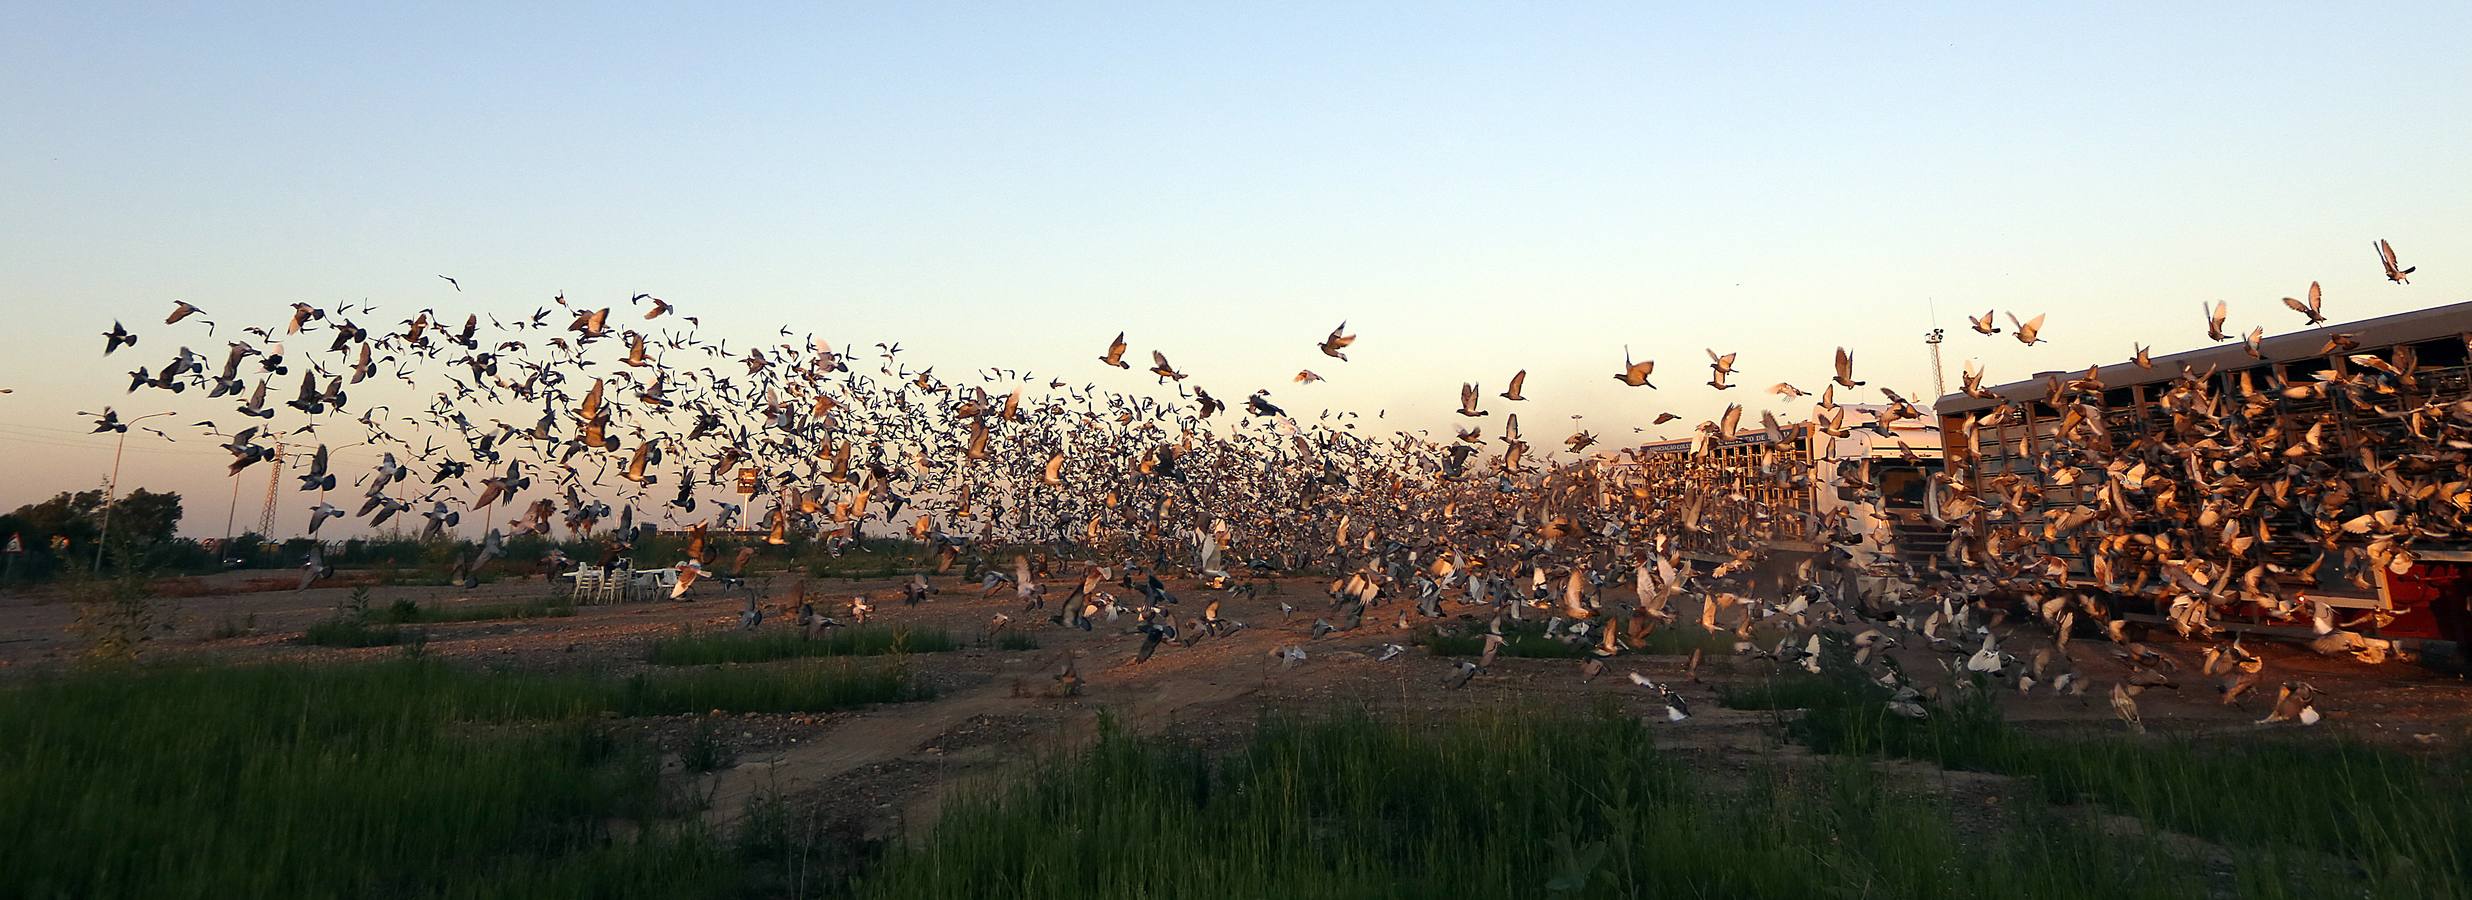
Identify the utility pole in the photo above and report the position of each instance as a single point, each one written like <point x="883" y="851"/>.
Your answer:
<point x="111" y="489"/>
<point x="230" y="517"/>
<point x="1939" y="383"/>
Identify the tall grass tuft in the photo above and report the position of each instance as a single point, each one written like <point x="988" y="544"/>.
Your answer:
<point x="1791" y="691"/>
<point x="698" y="649"/>
<point x="1495" y="805"/>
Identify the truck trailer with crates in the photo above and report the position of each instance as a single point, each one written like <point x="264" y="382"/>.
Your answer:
<point x="2325" y="474"/>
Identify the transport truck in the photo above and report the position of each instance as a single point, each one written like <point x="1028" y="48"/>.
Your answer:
<point x="1859" y="481"/>
<point x="2340" y="473"/>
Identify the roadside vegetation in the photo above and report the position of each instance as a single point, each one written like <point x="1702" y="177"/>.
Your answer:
<point x="413" y="777"/>
<point x="398" y="778"/>
<point x="1486" y="806"/>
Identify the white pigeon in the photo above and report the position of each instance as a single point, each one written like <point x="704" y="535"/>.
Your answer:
<point x="1986" y="659"/>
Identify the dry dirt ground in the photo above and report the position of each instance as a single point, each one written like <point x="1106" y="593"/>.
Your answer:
<point x="888" y="768"/>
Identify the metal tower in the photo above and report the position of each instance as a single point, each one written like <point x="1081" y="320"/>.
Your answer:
<point x="274" y="480"/>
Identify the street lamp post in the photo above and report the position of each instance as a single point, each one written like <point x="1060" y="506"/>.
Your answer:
<point x="1939" y="386"/>
<point x="111" y="488"/>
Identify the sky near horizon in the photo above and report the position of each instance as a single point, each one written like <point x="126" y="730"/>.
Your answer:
<point x="1474" y="188"/>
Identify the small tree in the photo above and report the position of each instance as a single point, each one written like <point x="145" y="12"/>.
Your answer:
<point x="146" y="518"/>
<point x="117" y="615"/>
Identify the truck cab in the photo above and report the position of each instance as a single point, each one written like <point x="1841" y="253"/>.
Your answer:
<point x="1883" y="486"/>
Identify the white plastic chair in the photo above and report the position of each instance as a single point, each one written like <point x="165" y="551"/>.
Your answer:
<point x="595" y="586"/>
<point x="653" y="584"/>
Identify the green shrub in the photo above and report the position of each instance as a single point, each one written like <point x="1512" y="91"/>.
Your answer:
<point x="116" y="616"/>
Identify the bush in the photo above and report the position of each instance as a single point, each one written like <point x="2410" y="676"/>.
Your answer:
<point x="705" y="751"/>
<point x="117" y="616"/>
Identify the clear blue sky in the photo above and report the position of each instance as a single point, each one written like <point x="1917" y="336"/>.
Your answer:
<point x="1477" y="188"/>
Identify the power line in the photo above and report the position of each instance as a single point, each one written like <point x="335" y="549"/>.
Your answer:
<point x="348" y="451"/>
<point x="46" y="441"/>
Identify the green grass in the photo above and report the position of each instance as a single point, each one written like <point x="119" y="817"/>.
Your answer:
<point x="405" y="612"/>
<point x="2305" y="812"/>
<point x="1016" y="641"/>
<point x="349" y="631"/>
<point x="401" y="778"/>
<point x="707" y="648"/>
<point x="1491" y="806"/>
<point x="415" y="778"/>
<point x="1793" y="690"/>
<point x="789" y="687"/>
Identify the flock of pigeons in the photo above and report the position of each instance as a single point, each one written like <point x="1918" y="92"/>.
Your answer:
<point x="580" y="417"/>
